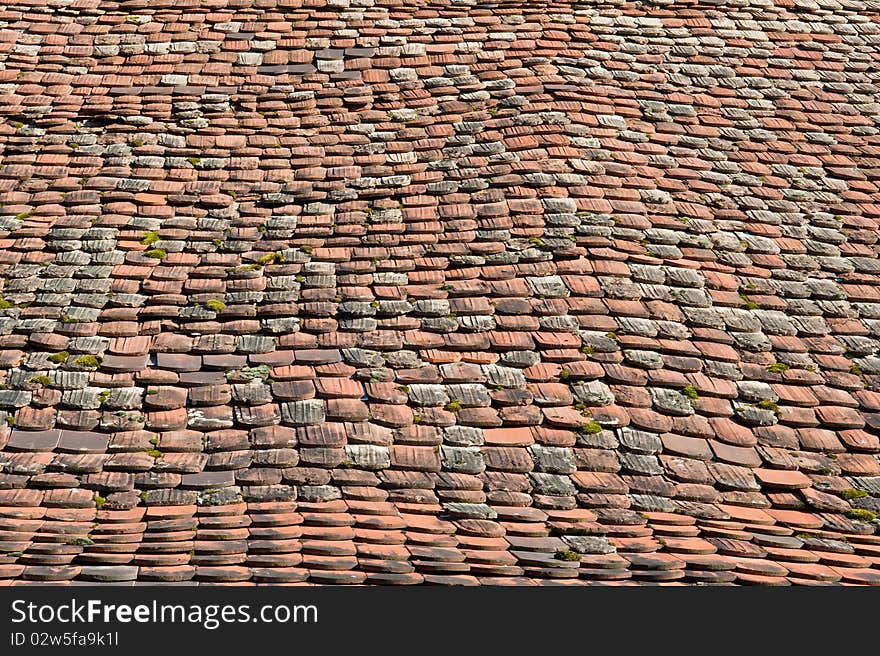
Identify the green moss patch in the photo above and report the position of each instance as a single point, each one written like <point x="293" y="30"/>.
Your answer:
<point x="150" y="238"/>
<point x="60" y="357"/>
<point x="269" y="258"/>
<point x="591" y="428"/>
<point x="860" y="515"/>
<point x="92" y="361"/>
<point x="690" y="392"/>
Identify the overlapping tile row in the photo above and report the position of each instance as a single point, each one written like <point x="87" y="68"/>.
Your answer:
<point x="439" y="292"/>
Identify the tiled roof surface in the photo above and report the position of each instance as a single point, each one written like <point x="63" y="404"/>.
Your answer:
<point x="346" y="291"/>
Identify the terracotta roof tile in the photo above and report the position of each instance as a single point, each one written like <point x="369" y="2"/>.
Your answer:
<point x="478" y="299"/>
